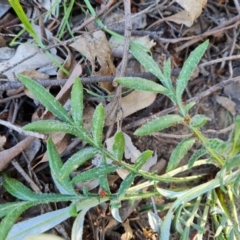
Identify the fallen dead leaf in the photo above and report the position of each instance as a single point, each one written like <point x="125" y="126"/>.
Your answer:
<point x="96" y="49"/>
<point x="136" y="101"/>
<point x="7" y="155"/>
<point x="39" y="60"/>
<point x="192" y="10"/>
<point x="68" y="64"/>
<point x="227" y="103"/>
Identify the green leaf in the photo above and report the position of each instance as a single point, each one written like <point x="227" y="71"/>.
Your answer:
<point x="77" y="102"/>
<point x="118" y="145"/>
<point x="159" y="124"/>
<point x="196" y="155"/>
<point x="45" y="98"/>
<point x="189" y="106"/>
<point x="233" y="162"/>
<point x="78" y="225"/>
<point x="39" y="224"/>
<point x="167" y="74"/>
<point x="97" y="125"/>
<point x="126" y="183"/>
<point x="179" y="152"/>
<point x="236" y="184"/>
<point x="49" y="126"/>
<point x="236" y="137"/>
<point x="199" y="120"/>
<point x="12" y="216"/>
<point x="5" y="208"/>
<point x="142" y="84"/>
<point x="188" y="68"/>
<point x="17" y="189"/>
<point x="64" y="185"/>
<point x="214" y="144"/>
<point x="104" y="184"/>
<point x="94" y="173"/>
<point x="77" y="160"/>
<point x="147" y="61"/>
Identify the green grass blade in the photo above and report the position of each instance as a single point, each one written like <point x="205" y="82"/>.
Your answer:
<point x="188" y="67"/>
<point x="24" y="19"/>
<point x="179" y="152"/>
<point x="77" y="160"/>
<point x="45" y="98"/>
<point x="159" y="124"/>
<point x="142" y="84"/>
<point x="97" y="125"/>
<point x="77" y="102"/>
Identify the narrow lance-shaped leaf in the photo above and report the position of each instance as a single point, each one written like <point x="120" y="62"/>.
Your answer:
<point x="8" y="221"/>
<point x="45" y="98"/>
<point x="98" y="124"/>
<point x="126" y="183"/>
<point x="77" y="160"/>
<point x="196" y="155"/>
<point x="94" y="173"/>
<point x="17" y="189"/>
<point x="49" y="126"/>
<point x="118" y="145"/>
<point x="147" y="61"/>
<point x="199" y="120"/>
<point x="142" y="84"/>
<point x="188" y="68"/>
<point x="55" y="162"/>
<point x="159" y="124"/>
<point x="179" y="152"/>
<point x="77" y="102"/>
<point x="167" y="74"/>
<point x="5" y="208"/>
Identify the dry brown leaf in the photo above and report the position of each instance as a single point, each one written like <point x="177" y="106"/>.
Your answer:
<point x="136" y="101"/>
<point x="39" y="60"/>
<point x="7" y="155"/>
<point x="130" y="104"/>
<point x="2" y="141"/>
<point x="96" y="49"/>
<point x="192" y="10"/>
<point x="68" y="64"/>
<point x="227" y="103"/>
